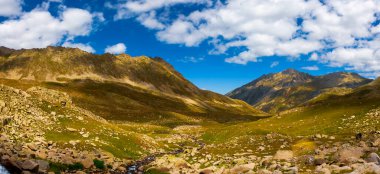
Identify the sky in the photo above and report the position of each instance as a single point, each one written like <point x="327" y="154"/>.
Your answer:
<point x="218" y="45"/>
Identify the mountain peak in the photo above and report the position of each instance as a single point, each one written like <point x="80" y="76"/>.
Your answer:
<point x="290" y="71"/>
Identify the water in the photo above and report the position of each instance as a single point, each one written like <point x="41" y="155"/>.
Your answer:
<point x="3" y="170"/>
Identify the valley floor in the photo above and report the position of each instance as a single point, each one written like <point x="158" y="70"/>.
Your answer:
<point x="42" y="130"/>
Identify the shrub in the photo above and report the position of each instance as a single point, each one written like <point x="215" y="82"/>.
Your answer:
<point x="99" y="164"/>
<point x="76" y="166"/>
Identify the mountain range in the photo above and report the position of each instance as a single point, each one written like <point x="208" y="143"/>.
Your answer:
<point x="120" y="87"/>
<point x="67" y="110"/>
<point x="291" y="88"/>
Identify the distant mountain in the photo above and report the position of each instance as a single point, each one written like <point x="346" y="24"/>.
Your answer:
<point x="121" y="87"/>
<point x="290" y="88"/>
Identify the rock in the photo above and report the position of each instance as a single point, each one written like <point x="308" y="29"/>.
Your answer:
<point x="322" y="170"/>
<point x="350" y="154"/>
<point x="43" y="166"/>
<point x="41" y="154"/>
<point x="121" y="168"/>
<point x="32" y="146"/>
<point x="293" y="170"/>
<point x="239" y="169"/>
<point x="359" y="136"/>
<point x="80" y="172"/>
<point x="319" y="161"/>
<point x="306" y="159"/>
<point x="286" y="155"/>
<point x="11" y="165"/>
<point x="264" y="171"/>
<point x="261" y="148"/>
<point x="30" y="165"/>
<point x="376" y="143"/>
<point x="367" y="168"/>
<point x="87" y="163"/>
<point x="206" y="171"/>
<point x="373" y="158"/>
<point x="71" y="129"/>
<point x="2" y="104"/>
<point x="6" y="121"/>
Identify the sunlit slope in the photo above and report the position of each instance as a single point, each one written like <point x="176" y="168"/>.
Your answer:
<point x="123" y="88"/>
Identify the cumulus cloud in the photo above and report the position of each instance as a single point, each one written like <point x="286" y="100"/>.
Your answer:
<point x="38" y="28"/>
<point x="338" y="33"/>
<point x="10" y="7"/>
<point x="84" y="47"/>
<point x="116" y="49"/>
<point x="311" y="68"/>
<point x="149" y="21"/>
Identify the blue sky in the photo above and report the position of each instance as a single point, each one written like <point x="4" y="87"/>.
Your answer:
<point x="218" y="45"/>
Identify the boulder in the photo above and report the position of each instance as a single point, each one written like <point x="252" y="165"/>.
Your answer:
<point x="30" y="165"/>
<point x="11" y="165"/>
<point x="286" y="155"/>
<point x="43" y="166"/>
<point x="87" y="163"/>
<point x="373" y="158"/>
<point x="350" y="154"/>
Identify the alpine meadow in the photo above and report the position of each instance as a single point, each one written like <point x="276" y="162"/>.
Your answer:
<point x="189" y="87"/>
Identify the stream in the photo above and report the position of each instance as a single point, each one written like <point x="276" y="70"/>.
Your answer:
<point x="135" y="168"/>
<point x="3" y="170"/>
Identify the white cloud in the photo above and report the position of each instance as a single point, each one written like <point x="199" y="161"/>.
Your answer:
<point x="116" y="49"/>
<point x="129" y="8"/>
<point x="149" y="21"/>
<point x="38" y="28"/>
<point x="10" y="7"/>
<point x="84" y="47"/>
<point x="311" y="68"/>
<point x="274" y="64"/>
<point x="334" y="32"/>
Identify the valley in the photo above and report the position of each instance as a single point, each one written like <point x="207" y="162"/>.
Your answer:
<point x="67" y="111"/>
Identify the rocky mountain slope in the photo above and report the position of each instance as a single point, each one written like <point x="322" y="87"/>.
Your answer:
<point x="290" y="88"/>
<point x="123" y="88"/>
<point x="102" y="118"/>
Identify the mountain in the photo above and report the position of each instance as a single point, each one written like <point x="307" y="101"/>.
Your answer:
<point x="290" y="88"/>
<point x="121" y="88"/>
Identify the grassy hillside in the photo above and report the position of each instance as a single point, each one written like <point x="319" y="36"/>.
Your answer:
<point x="327" y="115"/>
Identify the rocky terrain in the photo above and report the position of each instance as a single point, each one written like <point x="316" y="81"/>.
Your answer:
<point x="102" y="118"/>
<point x="279" y="153"/>
<point x="291" y="88"/>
